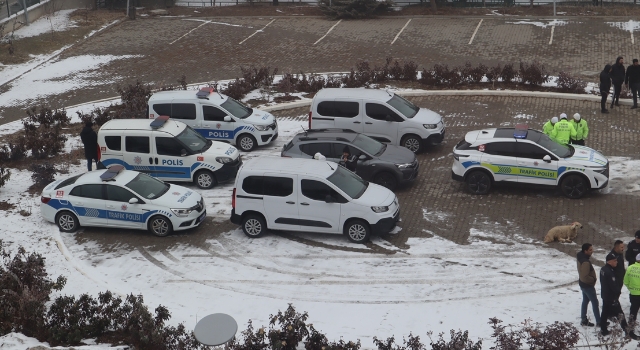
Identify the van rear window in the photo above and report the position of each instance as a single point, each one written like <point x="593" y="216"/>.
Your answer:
<point x="341" y="109"/>
<point x="162" y="108"/>
<point x="113" y="142"/>
<point x="268" y="185"/>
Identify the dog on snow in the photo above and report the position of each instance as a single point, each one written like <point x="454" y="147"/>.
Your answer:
<point x="563" y="234"/>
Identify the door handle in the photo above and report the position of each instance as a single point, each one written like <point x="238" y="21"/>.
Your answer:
<point x="150" y="160"/>
<point x="304" y="203"/>
<point x="356" y="122"/>
<point x="368" y="123"/>
<point x="156" y="161"/>
<point x="110" y="206"/>
<point x="206" y="126"/>
<point x="290" y="202"/>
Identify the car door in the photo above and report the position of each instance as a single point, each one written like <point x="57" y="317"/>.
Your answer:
<point x="531" y="167"/>
<point x="500" y="158"/>
<point x="171" y="165"/>
<point x="88" y="202"/>
<point x="120" y="213"/>
<point x="347" y="114"/>
<point x="280" y="198"/>
<point x="381" y="123"/>
<point x="364" y="168"/>
<point x="315" y="213"/>
<point x="184" y="111"/>
<point x="213" y="125"/>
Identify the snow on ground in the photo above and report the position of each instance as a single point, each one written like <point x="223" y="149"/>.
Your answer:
<point x="56" y="22"/>
<point x="629" y="26"/>
<point x="551" y="23"/>
<point x="18" y="341"/>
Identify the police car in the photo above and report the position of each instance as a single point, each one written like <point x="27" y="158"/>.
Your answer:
<point x="216" y="117"/>
<point x="523" y="155"/>
<point x="116" y="197"/>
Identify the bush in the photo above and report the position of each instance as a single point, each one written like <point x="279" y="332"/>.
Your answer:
<point x="474" y="75"/>
<point x="43" y="174"/>
<point x="493" y="73"/>
<point x="459" y="341"/>
<point x="533" y="74"/>
<point x="5" y="175"/>
<point x="568" y="83"/>
<point x="427" y="77"/>
<point x="287" y="329"/>
<point x="43" y="132"/>
<point x="405" y="71"/>
<point x="258" y="77"/>
<point x="134" y="101"/>
<point x="99" y="116"/>
<point x="445" y="76"/>
<point x="508" y="73"/>
<point x="353" y="8"/>
<point x="237" y="89"/>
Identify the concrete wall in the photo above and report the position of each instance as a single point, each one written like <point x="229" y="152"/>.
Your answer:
<point x="38" y="10"/>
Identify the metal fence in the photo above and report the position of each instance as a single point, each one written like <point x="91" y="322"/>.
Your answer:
<point x="452" y="3"/>
<point x="11" y="7"/>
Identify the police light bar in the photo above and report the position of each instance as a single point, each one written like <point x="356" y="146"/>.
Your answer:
<point x="112" y="172"/>
<point x="204" y="92"/>
<point x="159" y="122"/>
<point x="520" y="131"/>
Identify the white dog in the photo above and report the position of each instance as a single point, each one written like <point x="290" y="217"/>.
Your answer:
<point x="563" y="234"/>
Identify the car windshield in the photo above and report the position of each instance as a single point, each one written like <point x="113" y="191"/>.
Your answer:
<point x="147" y="187"/>
<point x="559" y="150"/>
<point x="369" y="145"/>
<point x="236" y="108"/>
<point x="195" y="142"/>
<point x="403" y="106"/>
<point x="350" y="183"/>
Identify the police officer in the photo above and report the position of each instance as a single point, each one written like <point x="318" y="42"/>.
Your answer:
<point x="547" y="128"/>
<point x="617" y="78"/>
<point x="610" y="293"/>
<point x="633" y="249"/>
<point x="563" y="131"/>
<point x="632" y="281"/>
<point x="618" y="249"/>
<point x="632" y="80"/>
<point x="582" y="130"/>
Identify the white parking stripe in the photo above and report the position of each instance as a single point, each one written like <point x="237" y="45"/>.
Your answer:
<point x="551" y="38"/>
<point x="203" y="23"/>
<point x="632" y="36"/>
<point x="475" y="31"/>
<point x="257" y="31"/>
<point x="400" y="32"/>
<point x="329" y="31"/>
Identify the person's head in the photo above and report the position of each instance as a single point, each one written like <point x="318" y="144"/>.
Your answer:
<point x="635" y="62"/>
<point x="587" y="249"/>
<point x="607" y="68"/>
<point x="576" y="117"/>
<point x="88" y="123"/>
<point x="554" y="120"/>
<point x="612" y="260"/>
<point x="637" y="236"/>
<point x="619" y="60"/>
<point x="563" y="116"/>
<point x="618" y="247"/>
<point x="345" y="152"/>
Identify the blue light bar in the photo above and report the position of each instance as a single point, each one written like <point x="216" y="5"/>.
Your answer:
<point x="159" y="122"/>
<point x="111" y="173"/>
<point x="520" y="131"/>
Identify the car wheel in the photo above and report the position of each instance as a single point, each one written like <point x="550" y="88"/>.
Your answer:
<point x="67" y="221"/>
<point x="574" y="186"/>
<point x="246" y="143"/>
<point x="412" y="142"/>
<point x="254" y="226"/>
<point x="160" y="226"/>
<point x="386" y="179"/>
<point x="478" y="182"/>
<point x="205" y="179"/>
<point x="357" y="231"/>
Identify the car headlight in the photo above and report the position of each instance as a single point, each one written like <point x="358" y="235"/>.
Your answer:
<point x="430" y="126"/>
<point x="181" y="212"/>
<point x="224" y="160"/>
<point x="380" y="209"/>
<point x="261" y="127"/>
<point x="404" y="165"/>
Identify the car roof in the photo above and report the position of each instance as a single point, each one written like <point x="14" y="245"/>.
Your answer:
<point x="375" y="94"/>
<point x="93" y="177"/>
<point x="213" y="97"/>
<point x="171" y="126"/>
<point x="343" y="135"/>
<point x="293" y="166"/>
<point x="499" y="134"/>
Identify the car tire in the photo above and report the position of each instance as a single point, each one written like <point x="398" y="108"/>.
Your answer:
<point x="412" y="143"/>
<point x="246" y="143"/>
<point x="574" y="186"/>
<point x="386" y="179"/>
<point x="160" y="226"/>
<point x="357" y="231"/>
<point x="478" y="182"/>
<point x="205" y="179"/>
<point x="67" y="221"/>
<point x="254" y="226"/>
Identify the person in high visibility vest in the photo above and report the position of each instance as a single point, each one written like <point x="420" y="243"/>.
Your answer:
<point x="632" y="281"/>
<point x="563" y="131"/>
<point x="582" y="130"/>
<point x="547" y="128"/>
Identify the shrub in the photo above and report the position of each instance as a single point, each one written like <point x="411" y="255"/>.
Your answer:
<point x="134" y="100"/>
<point x="18" y="150"/>
<point x="427" y="77"/>
<point x="237" y="89"/>
<point x="5" y="175"/>
<point x="493" y="73"/>
<point x="474" y="75"/>
<point x="253" y="340"/>
<point x="258" y="77"/>
<point x="445" y="76"/>
<point x="459" y="341"/>
<point x="287" y="329"/>
<point x="353" y="8"/>
<point x="43" y="174"/>
<point x="182" y="85"/>
<point x="533" y="74"/>
<point x="569" y="83"/>
<point x="99" y="115"/>
<point x="43" y="133"/>
<point x="508" y="73"/>
<point x="405" y="71"/>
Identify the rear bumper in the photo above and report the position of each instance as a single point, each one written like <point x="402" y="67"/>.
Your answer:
<point x="385" y="225"/>
<point x="228" y="171"/>
<point x="235" y="218"/>
<point x="456" y="177"/>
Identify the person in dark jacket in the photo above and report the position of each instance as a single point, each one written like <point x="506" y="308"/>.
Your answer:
<point x="633" y="249"/>
<point x="90" y="141"/>
<point x="610" y="293"/>
<point x="605" y="86"/>
<point x="348" y="161"/>
<point x="632" y="81"/>
<point x="617" y="78"/>
<point x="618" y="250"/>
<point x="587" y="281"/>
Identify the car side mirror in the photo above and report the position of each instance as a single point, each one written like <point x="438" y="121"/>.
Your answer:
<point x="388" y="118"/>
<point x="183" y="152"/>
<point x="362" y="157"/>
<point x="133" y="200"/>
<point x="328" y="199"/>
<point x="547" y="158"/>
<point x="227" y="118"/>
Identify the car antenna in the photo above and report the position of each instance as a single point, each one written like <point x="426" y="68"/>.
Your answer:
<point x="387" y="90"/>
<point x="214" y="85"/>
<point x="330" y="166"/>
<point x="305" y="131"/>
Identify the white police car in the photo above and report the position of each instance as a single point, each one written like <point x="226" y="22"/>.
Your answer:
<point x="116" y="197"/>
<point x="216" y="117"/>
<point x="522" y="155"/>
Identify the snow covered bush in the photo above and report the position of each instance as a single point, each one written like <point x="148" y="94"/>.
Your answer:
<point x="570" y="84"/>
<point x="493" y="73"/>
<point x="43" y="131"/>
<point x="533" y="74"/>
<point x="287" y="329"/>
<point x="43" y="174"/>
<point x="337" y="9"/>
<point x="459" y="341"/>
<point x="5" y="175"/>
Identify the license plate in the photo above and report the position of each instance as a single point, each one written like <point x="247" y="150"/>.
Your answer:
<point x="201" y="218"/>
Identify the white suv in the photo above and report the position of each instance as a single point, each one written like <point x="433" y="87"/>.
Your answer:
<point x="312" y="196"/>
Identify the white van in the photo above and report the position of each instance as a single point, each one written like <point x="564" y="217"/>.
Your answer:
<point x="167" y="149"/>
<point x="379" y="114"/>
<point x="310" y="195"/>
<point x="216" y="117"/>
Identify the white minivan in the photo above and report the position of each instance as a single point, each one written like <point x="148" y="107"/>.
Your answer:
<point x="168" y="150"/>
<point x="216" y="116"/>
<point x="310" y="195"/>
<point x="379" y="114"/>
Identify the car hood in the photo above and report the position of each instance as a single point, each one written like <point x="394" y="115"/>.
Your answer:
<point x="586" y="156"/>
<point x="375" y="195"/>
<point x="427" y="116"/>
<point x="397" y="155"/>
<point x="178" y="197"/>
<point x="220" y="149"/>
<point x="259" y="117"/>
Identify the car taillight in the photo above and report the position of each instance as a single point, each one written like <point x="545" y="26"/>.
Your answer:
<point x="233" y="199"/>
<point x="45" y="200"/>
<point x="310" y="119"/>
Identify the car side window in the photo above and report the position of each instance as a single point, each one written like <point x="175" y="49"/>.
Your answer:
<point x="119" y="194"/>
<point x="277" y="186"/>
<point x="252" y="185"/>
<point x="326" y="108"/>
<point x="168" y="146"/>
<point x="137" y="144"/>
<point x="527" y="150"/>
<point x="113" y="142"/>
<point x="338" y="149"/>
<point x="92" y="191"/>
<point x="312" y="148"/>
<point x="346" y="109"/>
<point x="162" y="109"/>
<point x="319" y="191"/>
<point x="507" y="149"/>
<point x="213" y="114"/>
<point x="183" y="111"/>
<point x="380" y="112"/>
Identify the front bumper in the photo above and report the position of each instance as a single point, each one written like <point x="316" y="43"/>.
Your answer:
<point x="385" y="225"/>
<point x="434" y="139"/>
<point x="410" y="174"/>
<point x="191" y="222"/>
<point x="228" y="171"/>
<point x="603" y="185"/>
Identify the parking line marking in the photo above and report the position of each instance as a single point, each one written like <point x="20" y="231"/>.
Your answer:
<point x="203" y="23"/>
<point x="400" y="32"/>
<point x="632" y="36"/>
<point x="475" y="31"/>
<point x="257" y="31"/>
<point x="329" y="31"/>
<point x="551" y="38"/>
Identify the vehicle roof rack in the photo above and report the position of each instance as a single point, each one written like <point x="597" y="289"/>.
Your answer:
<point x="331" y="129"/>
<point x="112" y="172"/>
<point x="520" y="131"/>
<point x="159" y="122"/>
<point x="205" y="92"/>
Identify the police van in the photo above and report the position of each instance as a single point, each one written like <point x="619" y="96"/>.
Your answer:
<point x="168" y="150"/>
<point x="216" y="117"/>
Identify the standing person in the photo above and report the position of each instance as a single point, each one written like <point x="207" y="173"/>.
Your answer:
<point x="587" y="281"/>
<point x="349" y="162"/>
<point x="618" y="249"/>
<point x="610" y="294"/>
<point x="547" y="128"/>
<point x="632" y="281"/>
<point x="632" y="80"/>
<point x="617" y="78"/>
<point x="582" y="130"/>
<point x="633" y="249"/>
<point x="605" y="86"/>
<point x="90" y="141"/>
<point x="563" y="131"/>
